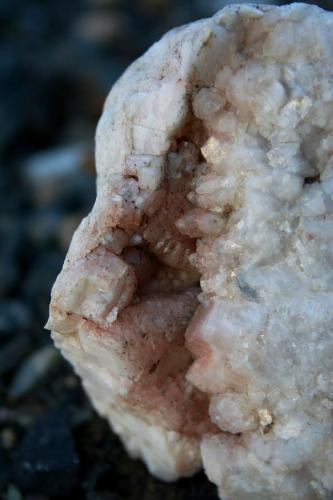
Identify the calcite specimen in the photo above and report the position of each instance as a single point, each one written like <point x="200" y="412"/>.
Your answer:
<point x="196" y="299"/>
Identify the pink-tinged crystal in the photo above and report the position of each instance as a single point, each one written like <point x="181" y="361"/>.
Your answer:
<point x="196" y="299"/>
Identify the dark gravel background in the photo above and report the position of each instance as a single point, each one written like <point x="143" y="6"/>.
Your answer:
<point x="58" y="59"/>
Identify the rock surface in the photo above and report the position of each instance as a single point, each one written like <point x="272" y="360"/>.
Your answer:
<point x="196" y="298"/>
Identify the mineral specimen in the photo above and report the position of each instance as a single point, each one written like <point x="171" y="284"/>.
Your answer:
<point x="196" y="299"/>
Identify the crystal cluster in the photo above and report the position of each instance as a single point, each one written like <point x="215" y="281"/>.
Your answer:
<point x="196" y="299"/>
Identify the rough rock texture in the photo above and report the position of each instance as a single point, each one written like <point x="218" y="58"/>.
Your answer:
<point x="196" y="300"/>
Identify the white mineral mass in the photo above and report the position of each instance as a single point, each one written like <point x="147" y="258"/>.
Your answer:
<point x="196" y="299"/>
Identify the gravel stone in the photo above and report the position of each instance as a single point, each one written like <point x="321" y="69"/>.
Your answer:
<point x="46" y="460"/>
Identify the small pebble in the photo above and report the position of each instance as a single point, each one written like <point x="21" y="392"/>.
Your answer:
<point x="46" y="462"/>
<point x="14" y="315"/>
<point x="71" y="381"/>
<point x="12" y="493"/>
<point x="12" y="352"/>
<point x="7" y="438"/>
<point x="46" y="172"/>
<point x="33" y="371"/>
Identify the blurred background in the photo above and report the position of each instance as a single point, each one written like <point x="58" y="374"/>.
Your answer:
<point x="58" y="60"/>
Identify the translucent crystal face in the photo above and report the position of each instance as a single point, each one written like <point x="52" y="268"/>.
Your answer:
<point x="196" y="299"/>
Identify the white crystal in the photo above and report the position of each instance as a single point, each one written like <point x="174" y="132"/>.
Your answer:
<point x="214" y="159"/>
